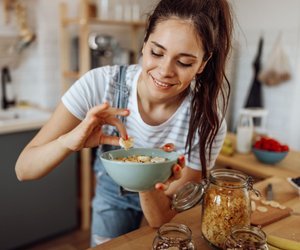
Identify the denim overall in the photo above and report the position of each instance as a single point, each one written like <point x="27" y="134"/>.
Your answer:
<point x="115" y="212"/>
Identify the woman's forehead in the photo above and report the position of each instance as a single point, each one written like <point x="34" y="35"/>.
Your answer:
<point x="176" y="31"/>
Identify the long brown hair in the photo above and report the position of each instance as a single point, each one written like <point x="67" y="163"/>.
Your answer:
<point x="213" y="23"/>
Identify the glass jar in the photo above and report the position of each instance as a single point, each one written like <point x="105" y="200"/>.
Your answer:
<point x="173" y="236"/>
<point x="246" y="237"/>
<point x="225" y="203"/>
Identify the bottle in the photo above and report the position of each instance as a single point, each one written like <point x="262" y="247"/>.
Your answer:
<point x="173" y="236"/>
<point x="135" y="10"/>
<point x="244" y="133"/>
<point x="103" y="9"/>
<point x="246" y="237"/>
<point x="225" y="202"/>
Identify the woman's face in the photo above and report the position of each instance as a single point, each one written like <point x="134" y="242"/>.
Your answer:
<point x="172" y="56"/>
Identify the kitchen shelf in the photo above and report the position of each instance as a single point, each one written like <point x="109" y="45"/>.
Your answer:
<point x="71" y="74"/>
<point x="96" y="21"/>
<point x="84" y="23"/>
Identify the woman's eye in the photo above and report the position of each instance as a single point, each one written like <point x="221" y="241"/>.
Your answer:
<point x="156" y="54"/>
<point x="184" y="64"/>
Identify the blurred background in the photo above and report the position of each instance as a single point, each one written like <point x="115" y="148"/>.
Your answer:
<point x="46" y="45"/>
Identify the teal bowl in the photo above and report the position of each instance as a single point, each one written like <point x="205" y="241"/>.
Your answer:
<point x="269" y="157"/>
<point x="135" y="176"/>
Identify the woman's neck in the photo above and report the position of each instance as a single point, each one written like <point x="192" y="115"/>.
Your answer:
<point x="155" y="112"/>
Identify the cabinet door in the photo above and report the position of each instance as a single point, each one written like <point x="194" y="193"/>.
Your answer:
<point x="34" y="210"/>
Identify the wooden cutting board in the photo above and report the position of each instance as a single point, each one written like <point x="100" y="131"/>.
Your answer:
<point x="282" y="191"/>
<point x="271" y="215"/>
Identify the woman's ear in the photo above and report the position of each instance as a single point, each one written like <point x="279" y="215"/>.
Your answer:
<point x="203" y="64"/>
<point x="142" y="50"/>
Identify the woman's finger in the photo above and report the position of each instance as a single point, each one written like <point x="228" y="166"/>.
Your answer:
<point x="120" y="127"/>
<point x="181" y="161"/>
<point x="118" y="111"/>
<point x="177" y="171"/>
<point x="162" y="186"/>
<point x="104" y="111"/>
<point x="107" y="139"/>
<point x="98" y="109"/>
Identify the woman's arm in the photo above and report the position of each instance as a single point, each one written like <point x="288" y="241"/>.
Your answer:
<point x="156" y="204"/>
<point x="64" y="134"/>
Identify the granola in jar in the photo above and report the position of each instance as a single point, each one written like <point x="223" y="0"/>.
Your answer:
<point x="226" y="203"/>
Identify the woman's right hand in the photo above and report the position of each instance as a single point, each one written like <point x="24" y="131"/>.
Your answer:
<point x="89" y="132"/>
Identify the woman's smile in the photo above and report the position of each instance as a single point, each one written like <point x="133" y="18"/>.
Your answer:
<point x="162" y="84"/>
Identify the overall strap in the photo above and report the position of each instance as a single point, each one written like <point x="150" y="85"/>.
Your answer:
<point x="121" y="96"/>
<point x="121" y="90"/>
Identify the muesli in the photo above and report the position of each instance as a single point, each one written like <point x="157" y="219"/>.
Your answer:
<point x="141" y="159"/>
<point x="223" y="209"/>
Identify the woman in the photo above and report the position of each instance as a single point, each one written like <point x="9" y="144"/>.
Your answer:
<point x="177" y="95"/>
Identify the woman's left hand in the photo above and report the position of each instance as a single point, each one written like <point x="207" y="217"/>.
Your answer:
<point x="176" y="169"/>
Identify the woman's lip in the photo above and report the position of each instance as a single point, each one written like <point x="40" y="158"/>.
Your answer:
<point x="162" y="84"/>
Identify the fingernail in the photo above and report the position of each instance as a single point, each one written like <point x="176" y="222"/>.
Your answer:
<point x="161" y="188"/>
<point x="177" y="169"/>
<point x="126" y="137"/>
<point x="181" y="158"/>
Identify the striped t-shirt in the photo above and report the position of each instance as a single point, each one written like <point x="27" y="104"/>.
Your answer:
<point x="95" y="87"/>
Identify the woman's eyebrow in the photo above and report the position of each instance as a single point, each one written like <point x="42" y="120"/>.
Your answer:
<point x="181" y="54"/>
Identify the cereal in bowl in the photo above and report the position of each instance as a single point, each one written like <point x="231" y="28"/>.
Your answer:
<point x="141" y="159"/>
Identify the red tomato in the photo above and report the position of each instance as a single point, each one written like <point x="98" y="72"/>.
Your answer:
<point x="270" y="144"/>
<point x="284" y="148"/>
<point x="259" y="143"/>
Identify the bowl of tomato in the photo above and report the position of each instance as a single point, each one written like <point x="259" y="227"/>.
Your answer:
<point x="269" y="150"/>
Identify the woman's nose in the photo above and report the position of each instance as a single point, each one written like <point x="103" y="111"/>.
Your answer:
<point x="166" y="68"/>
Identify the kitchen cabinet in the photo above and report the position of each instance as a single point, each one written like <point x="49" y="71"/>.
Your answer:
<point x="31" y="211"/>
<point x="83" y="24"/>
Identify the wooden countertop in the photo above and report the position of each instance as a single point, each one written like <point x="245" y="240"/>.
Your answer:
<point x="143" y="237"/>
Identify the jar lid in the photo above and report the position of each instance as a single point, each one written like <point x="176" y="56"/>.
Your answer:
<point x="188" y="196"/>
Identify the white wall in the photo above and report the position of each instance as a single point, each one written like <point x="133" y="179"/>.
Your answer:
<point x="267" y="18"/>
<point x="37" y="77"/>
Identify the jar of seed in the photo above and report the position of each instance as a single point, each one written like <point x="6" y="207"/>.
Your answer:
<point x="246" y="237"/>
<point x="173" y="236"/>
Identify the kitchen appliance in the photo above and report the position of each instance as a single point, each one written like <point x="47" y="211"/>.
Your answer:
<point x="105" y="50"/>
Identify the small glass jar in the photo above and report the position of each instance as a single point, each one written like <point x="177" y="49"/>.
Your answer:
<point x="173" y="236"/>
<point x="246" y="237"/>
